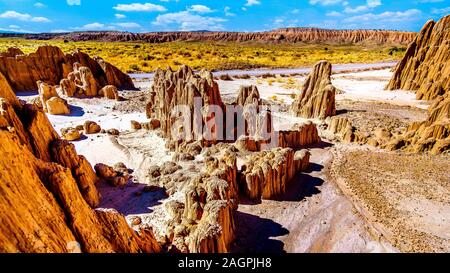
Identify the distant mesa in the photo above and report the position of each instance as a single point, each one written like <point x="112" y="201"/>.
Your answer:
<point x="286" y="35"/>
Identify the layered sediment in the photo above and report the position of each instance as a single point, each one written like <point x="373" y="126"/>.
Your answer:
<point x="286" y="35"/>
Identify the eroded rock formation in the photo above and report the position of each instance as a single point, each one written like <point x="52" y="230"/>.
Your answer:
<point x="188" y="92"/>
<point x="48" y="191"/>
<point x="50" y="100"/>
<point x="317" y="96"/>
<point x="267" y="174"/>
<point x="432" y="135"/>
<point x="50" y="65"/>
<point x="204" y="222"/>
<point x="300" y="136"/>
<point x="425" y="68"/>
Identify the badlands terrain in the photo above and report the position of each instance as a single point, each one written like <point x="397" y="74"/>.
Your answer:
<point x="357" y="158"/>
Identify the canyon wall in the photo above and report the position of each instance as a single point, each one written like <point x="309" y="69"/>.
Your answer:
<point x="50" y="65"/>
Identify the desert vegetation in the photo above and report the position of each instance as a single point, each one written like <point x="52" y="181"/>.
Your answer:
<point x="146" y="57"/>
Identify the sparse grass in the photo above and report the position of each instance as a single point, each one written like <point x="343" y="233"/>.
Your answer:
<point x="146" y="57"/>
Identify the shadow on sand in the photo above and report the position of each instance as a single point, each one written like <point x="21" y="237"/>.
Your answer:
<point x="76" y="111"/>
<point x="256" y="235"/>
<point x="130" y="200"/>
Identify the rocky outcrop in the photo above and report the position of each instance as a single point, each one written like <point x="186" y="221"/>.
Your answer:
<point x="300" y="136"/>
<point x="317" y="96"/>
<point x="112" y="176"/>
<point x="50" y="100"/>
<point x="109" y="92"/>
<point x="204" y="222"/>
<point x="173" y="89"/>
<point x="267" y="174"/>
<point x="48" y="191"/>
<point x="344" y="131"/>
<point x="286" y="35"/>
<point x="50" y="65"/>
<point x="432" y="135"/>
<point x="425" y="68"/>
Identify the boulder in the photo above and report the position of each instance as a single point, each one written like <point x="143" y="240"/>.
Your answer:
<point x="111" y="176"/>
<point x="90" y="127"/>
<point x="136" y="125"/>
<point x="109" y="92"/>
<point x="70" y="134"/>
<point x="57" y="106"/>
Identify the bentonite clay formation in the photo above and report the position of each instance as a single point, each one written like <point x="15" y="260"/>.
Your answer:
<point x="48" y="191"/>
<point x="50" y="65"/>
<point x="317" y="97"/>
<point x="267" y="173"/>
<point x="425" y="68"/>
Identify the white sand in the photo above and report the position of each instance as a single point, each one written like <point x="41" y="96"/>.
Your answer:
<point x="370" y="86"/>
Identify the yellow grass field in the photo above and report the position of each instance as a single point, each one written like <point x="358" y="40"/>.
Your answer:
<point x="146" y="57"/>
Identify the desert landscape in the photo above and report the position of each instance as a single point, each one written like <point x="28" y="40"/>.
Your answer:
<point x="296" y="140"/>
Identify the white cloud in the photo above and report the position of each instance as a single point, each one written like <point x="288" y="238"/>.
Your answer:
<point x="227" y="11"/>
<point x="128" y="25"/>
<point x="23" y="17"/>
<point x="333" y="14"/>
<point x="441" y="11"/>
<point x="187" y="21"/>
<point x="93" y="26"/>
<point x="119" y="16"/>
<point x="139" y="7"/>
<point x="295" y="11"/>
<point x="73" y="2"/>
<point x="388" y="16"/>
<point x="40" y="20"/>
<point x="59" y="31"/>
<point x="39" y="5"/>
<point x="252" y="3"/>
<point x="324" y="2"/>
<point x="373" y="3"/>
<point x="200" y="9"/>
<point x="370" y="4"/>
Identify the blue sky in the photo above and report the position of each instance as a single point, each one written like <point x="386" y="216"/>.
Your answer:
<point x="230" y="15"/>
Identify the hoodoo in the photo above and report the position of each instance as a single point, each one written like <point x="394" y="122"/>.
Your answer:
<point x="317" y="97"/>
<point x="49" y="192"/>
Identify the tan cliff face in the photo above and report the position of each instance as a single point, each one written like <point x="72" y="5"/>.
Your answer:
<point x="50" y="65"/>
<point x="48" y="191"/>
<point x="425" y="68"/>
<point x="289" y="35"/>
